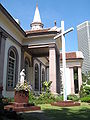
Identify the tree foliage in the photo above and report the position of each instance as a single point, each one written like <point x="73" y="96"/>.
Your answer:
<point x="86" y="78"/>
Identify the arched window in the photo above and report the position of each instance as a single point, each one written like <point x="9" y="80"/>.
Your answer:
<point x="12" y="68"/>
<point x="43" y="75"/>
<point x="36" y="77"/>
<point x="27" y="65"/>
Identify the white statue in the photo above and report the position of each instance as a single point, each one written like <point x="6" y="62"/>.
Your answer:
<point x="22" y="76"/>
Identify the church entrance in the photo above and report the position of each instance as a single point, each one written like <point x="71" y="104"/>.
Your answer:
<point x="47" y="55"/>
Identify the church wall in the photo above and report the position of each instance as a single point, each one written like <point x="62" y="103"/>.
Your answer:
<point x="8" y="44"/>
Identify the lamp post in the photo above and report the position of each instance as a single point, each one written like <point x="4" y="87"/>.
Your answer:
<point x="62" y="35"/>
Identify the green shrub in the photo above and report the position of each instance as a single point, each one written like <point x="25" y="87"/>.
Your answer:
<point x="45" y="98"/>
<point x="32" y="97"/>
<point x="87" y="90"/>
<point x="59" y="98"/>
<point x="46" y="86"/>
<point x="85" y="99"/>
<point x="82" y="92"/>
<point x="73" y="97"/>
<point x="86" y="78"/>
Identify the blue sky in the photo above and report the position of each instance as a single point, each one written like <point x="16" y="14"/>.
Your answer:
<point x="73" y="12"/>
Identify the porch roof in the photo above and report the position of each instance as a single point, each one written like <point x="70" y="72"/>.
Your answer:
<point x="40" y="32"/>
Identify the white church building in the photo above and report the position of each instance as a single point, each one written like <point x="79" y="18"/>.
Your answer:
<point x="38" y="52"/>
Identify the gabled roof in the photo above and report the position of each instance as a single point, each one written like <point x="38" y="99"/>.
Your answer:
<point x="6" y="13"/>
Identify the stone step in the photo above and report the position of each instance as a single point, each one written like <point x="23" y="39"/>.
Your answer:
<point x="21" y="107"/>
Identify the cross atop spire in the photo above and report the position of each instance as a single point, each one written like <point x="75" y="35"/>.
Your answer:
<point x="36" y="24"/>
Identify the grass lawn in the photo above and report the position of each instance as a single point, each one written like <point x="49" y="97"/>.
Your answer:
<point x="59" y="113"/>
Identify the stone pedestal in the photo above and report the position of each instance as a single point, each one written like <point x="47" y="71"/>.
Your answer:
<point x="21" y="103"/>
<point x="21" y="96"/>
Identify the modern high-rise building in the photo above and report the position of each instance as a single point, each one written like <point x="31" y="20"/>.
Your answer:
<point x="83" y="33"/>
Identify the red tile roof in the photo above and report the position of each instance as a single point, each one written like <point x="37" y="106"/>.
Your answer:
<point x="70" y="56"/>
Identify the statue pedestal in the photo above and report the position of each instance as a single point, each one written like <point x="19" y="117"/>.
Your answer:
<point x="21" y="96"/>
<point x="21" y="103"/>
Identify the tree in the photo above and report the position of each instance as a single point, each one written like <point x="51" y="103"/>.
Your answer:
<point x="86" y="78"/>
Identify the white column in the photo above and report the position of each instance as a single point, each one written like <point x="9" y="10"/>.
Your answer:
<point x="64" y="61"/>
<point x="79" y="77"/>
<point x="52" y="67"/>
<point x="72" y="80"/>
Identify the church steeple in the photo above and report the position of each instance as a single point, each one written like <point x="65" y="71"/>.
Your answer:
<point x="36" y="24"/>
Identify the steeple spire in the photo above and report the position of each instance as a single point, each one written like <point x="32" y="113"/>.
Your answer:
<point x="36" y="24"/>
